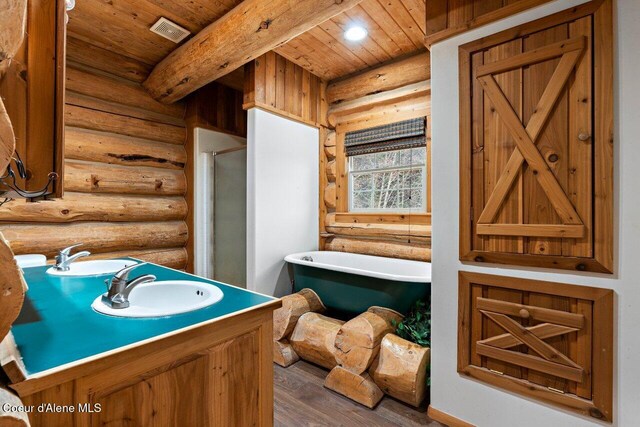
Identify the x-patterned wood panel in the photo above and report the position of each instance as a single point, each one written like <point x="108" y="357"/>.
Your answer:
<point x="536" y="143"/>
<point x="525" y="139"/>
<point x="556" y="346"/>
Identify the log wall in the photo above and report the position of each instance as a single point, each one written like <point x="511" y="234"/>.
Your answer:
<point x="124" y="175"/>
<point x="405" y="236"/>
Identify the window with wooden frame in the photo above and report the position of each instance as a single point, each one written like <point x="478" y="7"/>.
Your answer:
<point x="387" y="168"/>
<point x="536" y="143"/>
<point x="548" y="341"/>
<point x="392" y="181"/>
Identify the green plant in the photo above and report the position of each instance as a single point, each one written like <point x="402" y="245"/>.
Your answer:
<point x="416" y="326"/>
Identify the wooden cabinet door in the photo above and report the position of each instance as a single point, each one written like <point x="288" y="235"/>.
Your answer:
<point x="549" y="341"/>
<point x="536" y="143"/>
<point x="215" y="387"/>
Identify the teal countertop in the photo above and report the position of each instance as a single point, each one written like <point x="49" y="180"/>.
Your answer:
<point x="58" y="326"/>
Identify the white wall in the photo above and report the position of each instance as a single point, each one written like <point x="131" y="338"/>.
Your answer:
<point x="282" y="197"/>
<point x="473" y="401"/>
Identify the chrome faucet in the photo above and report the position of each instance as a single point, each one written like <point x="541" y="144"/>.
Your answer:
<point x="64" y="259"/>
<point x="120" y="286"/>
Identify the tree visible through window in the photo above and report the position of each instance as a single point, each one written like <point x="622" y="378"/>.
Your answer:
<point x="388" y="181"/>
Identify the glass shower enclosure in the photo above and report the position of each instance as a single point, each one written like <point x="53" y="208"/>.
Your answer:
<point x="230" y="216"/>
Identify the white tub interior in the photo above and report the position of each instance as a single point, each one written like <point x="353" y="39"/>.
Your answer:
<point x="366" y="265"/>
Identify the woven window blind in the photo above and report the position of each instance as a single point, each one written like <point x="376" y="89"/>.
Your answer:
<point x="395" y="136"/>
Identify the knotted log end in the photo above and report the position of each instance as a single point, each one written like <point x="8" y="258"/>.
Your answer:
<point x="358" y="341"/>
<point x="401" y="369"/>
<point x="294" y="306"/>
<point x="357" y="387"/>
<point x="313" y="339"/>
<point x="284" y="354"/>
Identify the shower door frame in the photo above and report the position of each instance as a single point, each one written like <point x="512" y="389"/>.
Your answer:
<point x="207" y="143"/>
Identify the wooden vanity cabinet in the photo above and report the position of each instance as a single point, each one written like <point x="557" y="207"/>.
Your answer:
<point x="536" y="143"/>
<point x="216" y="374"/>
<point x="548" y="341"/>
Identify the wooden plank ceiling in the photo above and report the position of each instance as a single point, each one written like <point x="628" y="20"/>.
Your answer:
<point x="395" y="27"/>
<point x="122" y="26"/>
<point x="113" y="35"/>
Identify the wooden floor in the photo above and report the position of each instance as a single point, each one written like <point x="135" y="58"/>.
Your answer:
<point x="301" y="401"/>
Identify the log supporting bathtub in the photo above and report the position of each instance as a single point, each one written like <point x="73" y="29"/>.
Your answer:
<point x="349" y="284"/>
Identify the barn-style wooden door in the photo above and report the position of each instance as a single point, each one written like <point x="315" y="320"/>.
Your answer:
<point x="550" y="341"/>
<point x="536" y="143"/>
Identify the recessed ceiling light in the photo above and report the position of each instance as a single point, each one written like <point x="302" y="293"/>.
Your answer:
<point x="355" y="33"/>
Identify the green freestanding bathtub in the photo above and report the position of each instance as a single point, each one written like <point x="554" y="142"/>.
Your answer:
<point x="348" y="284"/>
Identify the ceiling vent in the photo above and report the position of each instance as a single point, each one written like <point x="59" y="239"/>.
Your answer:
<point x="169" y="30"/>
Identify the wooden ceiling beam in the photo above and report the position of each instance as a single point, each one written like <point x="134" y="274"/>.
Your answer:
<point x="388" y="76"/>
<point x="251" y="29"/>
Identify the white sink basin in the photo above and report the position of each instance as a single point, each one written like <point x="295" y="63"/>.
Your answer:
<point x="93" y="268"/>
<point x="164" y="298"/>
